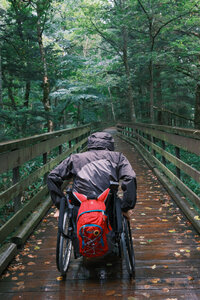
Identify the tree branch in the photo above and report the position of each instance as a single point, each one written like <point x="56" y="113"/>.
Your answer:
<point x="10" y="43"/>
<point x="106" y="50"/>
<point x="144" y="10"/>
<point x="185" y="72"/>
<point x="196" y="34"/>
<point x="173" y="19"/>
<point x="111" y="42"/>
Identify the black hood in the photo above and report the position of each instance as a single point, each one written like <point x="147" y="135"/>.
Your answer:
<point x="101" y="140"/>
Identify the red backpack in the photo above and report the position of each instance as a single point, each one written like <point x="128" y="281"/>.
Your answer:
<point x="92" y="225"/>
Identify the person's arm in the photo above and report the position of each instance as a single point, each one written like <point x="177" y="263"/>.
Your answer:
<point x="129" y="185"/>
<point x="56" y="178"/>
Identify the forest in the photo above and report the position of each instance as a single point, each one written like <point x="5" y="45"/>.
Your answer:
<point x="67" y="63"/>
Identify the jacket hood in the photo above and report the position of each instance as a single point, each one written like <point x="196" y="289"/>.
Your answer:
<point x="101" y="140"/>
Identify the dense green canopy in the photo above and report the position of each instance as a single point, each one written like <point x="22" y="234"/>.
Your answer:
<point x="64" y="63"/>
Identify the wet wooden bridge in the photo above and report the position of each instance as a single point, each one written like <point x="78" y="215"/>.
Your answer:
<point x="167" y="251"/>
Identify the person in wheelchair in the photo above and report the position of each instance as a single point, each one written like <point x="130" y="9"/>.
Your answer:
<point x="92" y="172"/>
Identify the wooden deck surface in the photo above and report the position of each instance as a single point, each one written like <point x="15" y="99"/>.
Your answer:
<point x="167" y="251"/>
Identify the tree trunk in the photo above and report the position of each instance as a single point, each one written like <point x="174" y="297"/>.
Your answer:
<point x="85" y="46"/>
<point x="140" y="111"/>
<point x="132" y="115"/>
<point x="159" y="97"/>
<point x="46" y="87"/>
<point x="27" y="93"/>
<point x="10" y="94"/>
<point x="151" y="91"/>
<point x="78" y="122"/>
<point x="1" y="88"/>
<point x="197" y="108"/>
<point x="112" y="106"/>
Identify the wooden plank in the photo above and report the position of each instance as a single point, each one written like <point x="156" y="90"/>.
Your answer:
<point x="177" y="162"/>
<point x="192" y="133"/>
<point x="17" y="198"/>
<point x="189" y="144"/>
<point x="187" y="132"/>
<point x="25" y="142"/>
<point x="7" y="252"/>
<point x="18" y="217"/>
<point x="18" y="157"/>
<point x="181" y="186"/>
<point x="12" y="223"/>
<point x="183" y="204"/>
<point x="16" y="189"/>
<point x="167" y="260"/>
<point x="28" y="226"/>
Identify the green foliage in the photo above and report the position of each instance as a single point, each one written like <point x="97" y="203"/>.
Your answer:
<point x="84" y="43"/>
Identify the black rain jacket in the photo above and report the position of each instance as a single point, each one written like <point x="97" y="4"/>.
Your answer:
<point x="93" y="170"/>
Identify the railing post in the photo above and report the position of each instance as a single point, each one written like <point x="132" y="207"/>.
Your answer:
<point x="154" y="141"/>
<point x="85" y="144"/>
<point x="76" y="141"/>
<point x="60" y="149"/>
<point x="17" y="199"/>
<point x="124" y="130"/>
<point x="163" y="158"/>
<point x="137" y="133"/>
<point x="178" y="171"/>
<point x="44" y="162"/>
<point x="132" y="132"/>
<point x="148" y="137"/>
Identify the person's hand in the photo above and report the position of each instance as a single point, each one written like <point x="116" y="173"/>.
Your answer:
<point x="127" y="214"/>
<point x="56" y="215"/>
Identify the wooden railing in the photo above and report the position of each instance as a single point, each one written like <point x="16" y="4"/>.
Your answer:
<point x="13" y="156"/>
<point x="162" y="148"/>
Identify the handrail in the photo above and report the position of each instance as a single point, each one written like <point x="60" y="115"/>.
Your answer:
<point x="194" y="133"/>
<point x="152" y="142"/>
<point x="13" y="155"/>
<point x="24" y="142"/>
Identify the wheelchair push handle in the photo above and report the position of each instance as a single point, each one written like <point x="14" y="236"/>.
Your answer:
<point x="65" y="205"/>
<point x="114" y="185"/>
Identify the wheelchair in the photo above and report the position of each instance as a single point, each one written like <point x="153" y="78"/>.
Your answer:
<point x="67" y="241"/>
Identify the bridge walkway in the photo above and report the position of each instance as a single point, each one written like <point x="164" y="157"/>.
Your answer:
<point x="167" y="250"/>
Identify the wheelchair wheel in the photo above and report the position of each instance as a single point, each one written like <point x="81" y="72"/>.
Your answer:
<point x="127" y="247"/>
<point x="64" y="247"/>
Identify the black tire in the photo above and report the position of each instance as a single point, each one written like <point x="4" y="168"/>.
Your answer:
<point x="127" y="247"/>
<point x="64" y="248"/>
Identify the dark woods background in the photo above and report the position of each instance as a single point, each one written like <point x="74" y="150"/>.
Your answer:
<point x="67" y="63"/>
